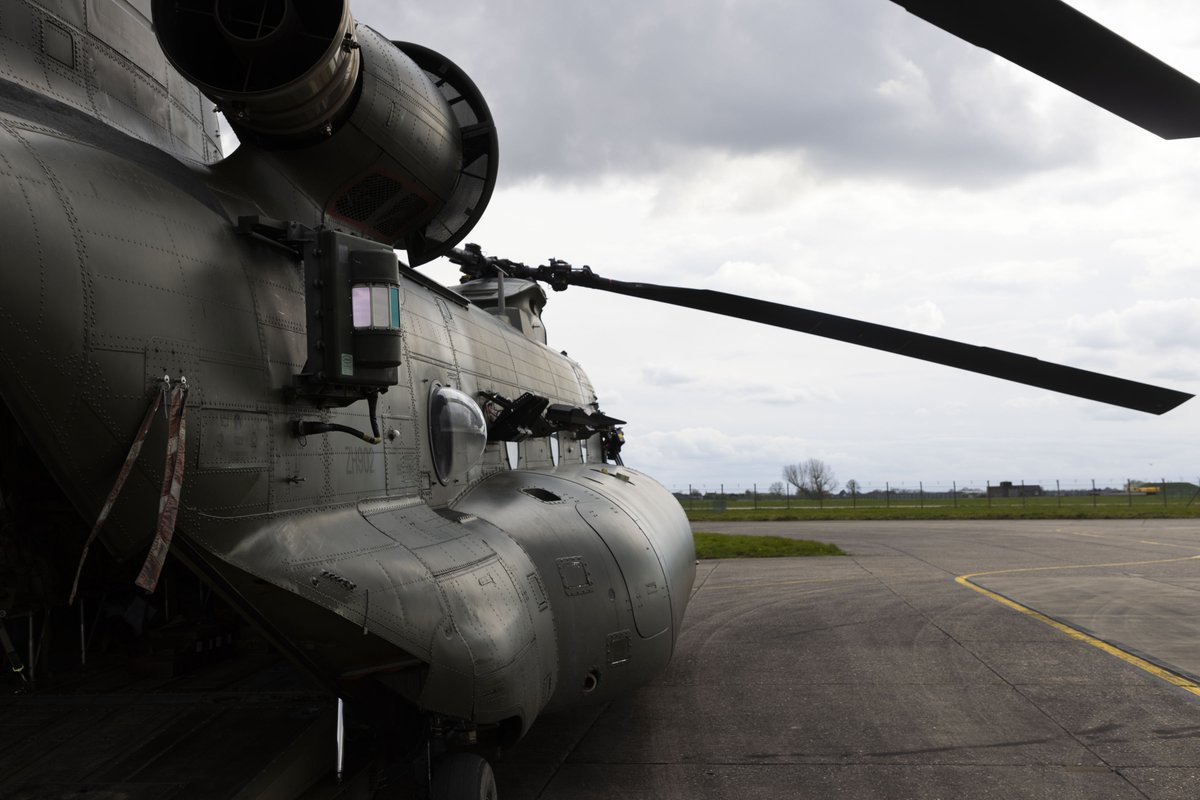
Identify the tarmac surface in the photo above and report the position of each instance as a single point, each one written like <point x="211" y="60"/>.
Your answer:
<point x="879" y="675"/>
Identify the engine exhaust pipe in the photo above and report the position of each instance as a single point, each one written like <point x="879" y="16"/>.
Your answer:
<point x="284" y="72"/>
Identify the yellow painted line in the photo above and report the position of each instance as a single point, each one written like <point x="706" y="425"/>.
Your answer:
<point x="1129" y="658"/>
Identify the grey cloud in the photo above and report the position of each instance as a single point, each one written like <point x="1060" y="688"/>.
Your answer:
<point x="1162" y="324"/>
<point x="660" y="375"/>
<point x="1180" y="374"/>
<point x="580" y="90"/>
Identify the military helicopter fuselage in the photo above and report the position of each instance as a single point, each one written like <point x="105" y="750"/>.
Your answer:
<point x="341" y="486"/>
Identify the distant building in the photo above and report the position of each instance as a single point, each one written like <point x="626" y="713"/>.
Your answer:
<point x="1008" y="489"/>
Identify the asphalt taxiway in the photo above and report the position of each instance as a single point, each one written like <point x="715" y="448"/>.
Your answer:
<point x="1059" y="664"/>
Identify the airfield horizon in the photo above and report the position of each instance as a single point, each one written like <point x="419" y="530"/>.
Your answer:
<point x="1044" y="508"/>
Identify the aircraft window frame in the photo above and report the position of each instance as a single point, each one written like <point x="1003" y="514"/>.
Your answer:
<point x="463" y="454"/>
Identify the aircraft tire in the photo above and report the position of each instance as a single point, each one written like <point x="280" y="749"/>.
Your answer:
<point x="462" y="776"/>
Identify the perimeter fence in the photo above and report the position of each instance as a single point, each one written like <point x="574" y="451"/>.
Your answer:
<point x="1001" y="494"/>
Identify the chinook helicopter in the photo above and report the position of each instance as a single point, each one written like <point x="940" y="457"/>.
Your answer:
<point x="221" y="360"/>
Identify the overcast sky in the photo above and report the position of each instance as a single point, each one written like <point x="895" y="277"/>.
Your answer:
<point x="848" y="157"/>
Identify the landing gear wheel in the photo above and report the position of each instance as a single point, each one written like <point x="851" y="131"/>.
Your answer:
<point x="462" y="776"/>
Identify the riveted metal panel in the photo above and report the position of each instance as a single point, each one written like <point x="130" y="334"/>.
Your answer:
<point x="639" y="564"/>
<point x="538" y="590"/>
<point x="124" y="25"/>
<point x="234" y="440"/>
<point x="58" y="43"/>
<point x="574" y="574"/>
<point x="619" y="648"/>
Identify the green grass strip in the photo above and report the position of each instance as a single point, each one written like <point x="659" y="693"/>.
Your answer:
<point x="943" y="512"/>
<point x="720" y="545"/>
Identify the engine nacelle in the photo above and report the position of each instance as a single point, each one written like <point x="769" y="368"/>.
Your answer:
<point x="283" y="70"/>
<point x="390" y="140"/>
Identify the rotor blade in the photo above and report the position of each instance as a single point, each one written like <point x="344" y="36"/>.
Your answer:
<point x="1053" y="40"/>
<point x="984" y="360"/>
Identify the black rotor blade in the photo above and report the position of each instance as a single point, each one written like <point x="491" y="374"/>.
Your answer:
<point x="1053" y="40"/>
<point x="984" y="360"/>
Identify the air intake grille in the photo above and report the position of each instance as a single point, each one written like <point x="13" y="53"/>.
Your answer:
<point x="382" y="207"/>
<point x="365" y="197"/>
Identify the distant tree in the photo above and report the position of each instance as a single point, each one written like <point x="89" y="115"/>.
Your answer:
<point x="794" y="474"/>
<point x="852" y="486"/>
<point x="821" y="480"/>
<point x="776" y="489"/>
<point x="813" y="477"/>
